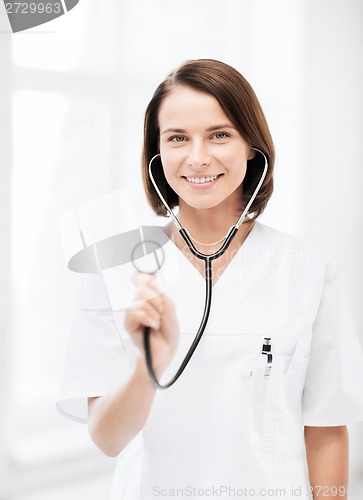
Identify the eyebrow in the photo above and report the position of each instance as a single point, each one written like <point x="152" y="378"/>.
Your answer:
<point x="209" y="129"/>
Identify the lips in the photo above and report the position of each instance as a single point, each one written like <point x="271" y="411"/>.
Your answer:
<point x="202" y="183"/>
<point x="201" y="179"/>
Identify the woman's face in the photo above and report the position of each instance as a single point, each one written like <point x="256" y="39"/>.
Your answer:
<point x="203" y="155"/>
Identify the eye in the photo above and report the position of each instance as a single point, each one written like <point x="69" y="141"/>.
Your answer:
<point x="176" y="138"/>
<point x="220" y="135"/>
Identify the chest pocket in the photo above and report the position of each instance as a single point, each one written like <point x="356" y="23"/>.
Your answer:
<point x="274" y="397"/>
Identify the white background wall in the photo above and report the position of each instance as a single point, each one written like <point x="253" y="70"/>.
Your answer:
<point x="72" y="97"/>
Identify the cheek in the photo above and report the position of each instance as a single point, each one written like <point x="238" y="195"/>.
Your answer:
<point x="237" y="166"/>
<point x="170" y="161"/>
<point x="243" y="170"/>
<point x="169" y="167"/>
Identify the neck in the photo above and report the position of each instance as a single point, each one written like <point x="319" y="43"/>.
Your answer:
<point x="208" y="226"/>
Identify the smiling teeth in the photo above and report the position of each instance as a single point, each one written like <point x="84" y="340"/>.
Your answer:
<point x="201" y="180"/>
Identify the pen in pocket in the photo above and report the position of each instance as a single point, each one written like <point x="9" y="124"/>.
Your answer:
<point x="266" y="349"/>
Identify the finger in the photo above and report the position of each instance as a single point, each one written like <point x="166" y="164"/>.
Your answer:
<point x="148" y="295"/>
<point x="149" y="307"/>
<point x="146" y="279"/>
<point x="145" y="292"/>
<point x="146" y="318"/>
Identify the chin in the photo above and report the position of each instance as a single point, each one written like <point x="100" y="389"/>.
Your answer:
<point x="201" y="205"/>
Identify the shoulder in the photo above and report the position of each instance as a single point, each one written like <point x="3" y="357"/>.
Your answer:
<point x="287" y="248"/>
<point x="280" y="238"/>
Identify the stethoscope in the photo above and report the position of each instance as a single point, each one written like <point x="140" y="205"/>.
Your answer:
<point x="208" y="275"/>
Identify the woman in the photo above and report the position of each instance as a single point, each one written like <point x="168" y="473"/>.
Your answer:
<point x="231" y="426"/>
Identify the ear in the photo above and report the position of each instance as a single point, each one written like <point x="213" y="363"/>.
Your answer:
<point x="251" y="154"/>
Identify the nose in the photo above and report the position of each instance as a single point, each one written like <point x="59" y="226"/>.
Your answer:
<point x="199" y="155"/>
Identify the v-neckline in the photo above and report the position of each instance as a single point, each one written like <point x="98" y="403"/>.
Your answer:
<point x="241" y="250"/>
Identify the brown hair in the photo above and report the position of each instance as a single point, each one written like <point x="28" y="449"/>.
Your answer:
<point x="238" y="100"/>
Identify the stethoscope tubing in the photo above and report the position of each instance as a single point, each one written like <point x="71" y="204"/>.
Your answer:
<point x="208" y="277"/>
<point x="197" y="338"/>
<point x="208" y="301"/>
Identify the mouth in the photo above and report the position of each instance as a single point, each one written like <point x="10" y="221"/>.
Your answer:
<point x="202" y="180"/>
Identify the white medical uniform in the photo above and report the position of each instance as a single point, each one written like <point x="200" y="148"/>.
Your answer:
<point x="224" y="430"/>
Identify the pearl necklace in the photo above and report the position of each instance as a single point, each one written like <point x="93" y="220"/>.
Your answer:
<point x="206" y="244"/>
